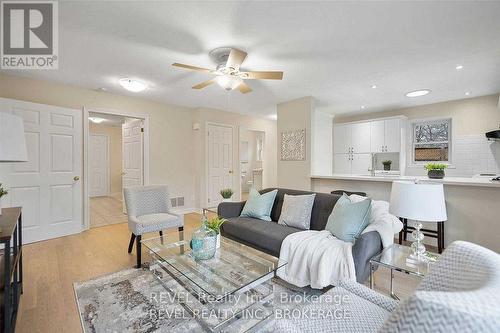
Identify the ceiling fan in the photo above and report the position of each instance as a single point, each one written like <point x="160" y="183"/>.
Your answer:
<point x="227" y="72"/>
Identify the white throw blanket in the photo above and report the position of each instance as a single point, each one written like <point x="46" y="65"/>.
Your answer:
<point x="316" y="258"/>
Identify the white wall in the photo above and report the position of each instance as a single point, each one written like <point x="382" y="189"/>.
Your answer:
<point x="295" y="115"/>
<point x="322" y="144"/>
<point x="175" y="149"/>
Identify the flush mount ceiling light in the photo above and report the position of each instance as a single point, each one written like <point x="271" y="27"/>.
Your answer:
<point x="229" y="82"/>
<point x="96" y="120"/>
<point x="374" y="86"/>
<point x="467" y="93"/>
<point x="459" y="67"/>
<point x="418" y="93"/>
<point x="362" y="106"/>
<point x="132" y="85"/>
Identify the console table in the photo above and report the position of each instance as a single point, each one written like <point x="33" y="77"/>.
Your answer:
<point x="12" y="275"/>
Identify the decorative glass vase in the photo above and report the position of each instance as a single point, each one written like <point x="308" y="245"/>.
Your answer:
<point x="203" y="242"/>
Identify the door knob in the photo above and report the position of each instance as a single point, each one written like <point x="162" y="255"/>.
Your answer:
<point x="76" y="178"/>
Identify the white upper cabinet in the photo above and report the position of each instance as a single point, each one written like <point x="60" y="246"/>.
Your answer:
<point x="392" y="133"/>
<point x="385" y="136"/>
<point x="377" y="135"/>
<point x="360" y="138"/>
<point x="342" y="139"/>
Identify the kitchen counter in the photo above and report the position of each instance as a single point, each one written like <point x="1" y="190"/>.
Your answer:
<point x="458" y="181"/>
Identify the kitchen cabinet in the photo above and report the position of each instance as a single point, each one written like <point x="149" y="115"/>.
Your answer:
<point x="342" y="139"/>
<point x="342" y="163"/>
<point x="360" y="138"/>
<point x="385" y="136"/>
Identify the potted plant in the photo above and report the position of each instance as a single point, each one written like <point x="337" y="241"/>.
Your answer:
<point x="215" y="224"/>
<point x="435" y="170"/>
<point x="3" y="192"/>
<point x="226" y="194"/>
<point x="387" y="165"/>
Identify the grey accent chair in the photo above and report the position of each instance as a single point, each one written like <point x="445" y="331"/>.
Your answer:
<point x="461" y="293"/>
<point x="149" y="210"/>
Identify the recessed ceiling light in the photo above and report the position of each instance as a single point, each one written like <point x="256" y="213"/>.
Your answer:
<point x="459" y="67"/>
<point x="362" y="106"/>
<point x="374" y="86"/>
<point x="467" y="93"/>
<point x="132" y="85"/>
<point x="96" y="120"/>
<point x="418" y="93"/>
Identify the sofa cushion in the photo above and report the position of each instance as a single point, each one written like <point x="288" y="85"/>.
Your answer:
<point x="349" y="219"/>
<point x="259" y="205"/>
<point x="263" y="234"/>
<point x="322" y="207"/>
<point x="296" y="211"/>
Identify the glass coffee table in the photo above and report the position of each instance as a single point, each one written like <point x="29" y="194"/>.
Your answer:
<point x="232" y="286"/>
<point x="394" y="258"/>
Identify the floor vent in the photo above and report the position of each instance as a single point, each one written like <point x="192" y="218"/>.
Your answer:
<point x="177" y="202"/>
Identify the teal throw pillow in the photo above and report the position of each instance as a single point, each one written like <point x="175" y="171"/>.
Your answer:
<point x="259" y="205"/>
<point x="348" y="219"/>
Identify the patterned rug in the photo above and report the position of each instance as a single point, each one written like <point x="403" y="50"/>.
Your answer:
<point x="133" y="300"/>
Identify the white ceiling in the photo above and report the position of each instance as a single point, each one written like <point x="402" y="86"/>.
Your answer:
<point x="333" y="51"/>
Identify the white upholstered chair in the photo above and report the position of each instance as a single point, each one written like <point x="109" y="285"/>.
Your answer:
<point x="149" y="210"/>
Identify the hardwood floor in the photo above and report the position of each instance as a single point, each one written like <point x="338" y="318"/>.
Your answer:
<point x="51" y="267"/>
<point x="106" y="211"/>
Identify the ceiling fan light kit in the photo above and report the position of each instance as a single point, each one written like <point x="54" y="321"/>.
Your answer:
<point x="227" y="71"/>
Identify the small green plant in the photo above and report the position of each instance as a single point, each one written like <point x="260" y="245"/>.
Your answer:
<point x="3" y="191"/>
<point x="435" y="166"/>
<point x="387" y="162"/>
<point x="215" y="223"/>
<point x="226" y="193"/>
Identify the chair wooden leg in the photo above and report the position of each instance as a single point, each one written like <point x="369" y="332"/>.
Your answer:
<point x="181" y="237"/>
<point x="138" y="250"/>
<point x="131" y="243"/>
<point x="440" y="236"/>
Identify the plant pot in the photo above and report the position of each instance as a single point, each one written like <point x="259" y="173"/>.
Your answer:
<point x="227" y="200"/>
<point x="435" y="174"/>
<point x="387" y="167"/>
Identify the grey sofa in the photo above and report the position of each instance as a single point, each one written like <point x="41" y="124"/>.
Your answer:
<point x="268" y="236"/>
<point x="461" y="293"/>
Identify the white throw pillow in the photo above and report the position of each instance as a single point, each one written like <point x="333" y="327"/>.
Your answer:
<point x="296" y="211"/>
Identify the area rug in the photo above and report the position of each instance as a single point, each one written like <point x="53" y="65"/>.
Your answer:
<point x="133" y="300"/>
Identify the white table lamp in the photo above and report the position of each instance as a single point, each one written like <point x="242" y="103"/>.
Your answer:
<point x="12" y="141"/>
<point x="420" y="203"/>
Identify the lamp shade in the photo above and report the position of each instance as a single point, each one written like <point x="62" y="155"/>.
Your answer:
<point x="420" y="202"/>
<point x="12" y="141"/>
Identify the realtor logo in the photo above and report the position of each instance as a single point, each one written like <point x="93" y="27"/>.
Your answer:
<point x="29" y="33"/>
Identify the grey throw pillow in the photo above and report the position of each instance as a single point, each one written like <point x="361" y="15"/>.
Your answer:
<point x="296" y="211"/>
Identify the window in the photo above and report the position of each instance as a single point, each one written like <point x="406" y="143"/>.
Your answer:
<point x="431" y="141"/>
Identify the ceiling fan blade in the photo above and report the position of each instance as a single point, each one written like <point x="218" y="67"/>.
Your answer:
<point x="193" y="68"/>
<point x="262" y="75"/>
<point x="236" y="58"/>
<point x="244" y="88"/>
<point x="204" y="84"/>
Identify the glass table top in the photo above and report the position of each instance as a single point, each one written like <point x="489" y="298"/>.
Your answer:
<point x="235" y="267"/>
<point x="395" y="257"/>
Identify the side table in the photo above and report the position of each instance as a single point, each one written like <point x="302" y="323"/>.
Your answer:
<point x="394" y="258"/>
<point x="11" y="238"/>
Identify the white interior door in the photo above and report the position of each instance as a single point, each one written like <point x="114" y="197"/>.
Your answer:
<point x="98" y="165"/>
<point x="220" y="161"/>
<point x="48" y="186"/>
<point x="132" y="166"/>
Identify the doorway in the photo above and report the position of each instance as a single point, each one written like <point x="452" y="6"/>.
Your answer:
<point x="252" y="145"/>
<point x="115" y="160"/>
